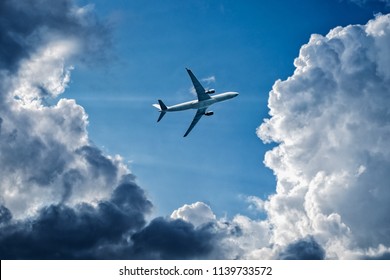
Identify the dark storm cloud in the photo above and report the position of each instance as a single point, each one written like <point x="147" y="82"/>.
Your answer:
<point x="5" y="215"/>
<point x="304" y="249"/>
<point x="25" y="25"/>
<point x="172" y="239"/>
<point x="63" y="232"/>
<point x="113" y="229"/>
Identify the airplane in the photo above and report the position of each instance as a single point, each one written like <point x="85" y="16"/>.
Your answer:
<point x="201" y="104"/>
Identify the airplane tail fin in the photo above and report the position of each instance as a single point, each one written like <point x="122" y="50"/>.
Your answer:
<point x="162" y="108"/>
<point x="162" y="105"/>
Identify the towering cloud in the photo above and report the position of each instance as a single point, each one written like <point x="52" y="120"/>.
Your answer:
<point x="331" y="119"/>
<point x="45" y="151"/>
<point x="61" y="197"/>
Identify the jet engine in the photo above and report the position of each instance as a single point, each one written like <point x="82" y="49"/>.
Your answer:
<point x="209" y="113"/>
<point x="210" y="91"/>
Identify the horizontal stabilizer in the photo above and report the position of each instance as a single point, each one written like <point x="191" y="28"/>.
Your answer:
<point x="156" y="106"/>
<point x="161" y="116"/>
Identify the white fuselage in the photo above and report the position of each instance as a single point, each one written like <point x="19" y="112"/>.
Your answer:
<point x="196" y="104"/>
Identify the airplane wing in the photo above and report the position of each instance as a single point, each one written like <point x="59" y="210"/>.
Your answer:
<point x="200" y="91"/>
<point x="197" y="117"/>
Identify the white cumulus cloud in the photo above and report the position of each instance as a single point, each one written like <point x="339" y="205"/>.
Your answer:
<point x="331" y="119"/>
<point x="238" y="238"/>
<point x="197" y="213"/>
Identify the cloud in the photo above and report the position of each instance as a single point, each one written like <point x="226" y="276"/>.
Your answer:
<point x="198" y="214"/>
<point x="236" y="238"/>
<point x="332" y="123"/>
<point x="305" y="249"/>
<point x="5" y="215"/>
<point x="209" y="80"/>
<point x="367" y="2"/>
<point x="60" y="196"/>
<point x="79" y="232"/>
<point x="43" y="23"/>
<point x="172" y="239"/>
<point x="45" y="151"/>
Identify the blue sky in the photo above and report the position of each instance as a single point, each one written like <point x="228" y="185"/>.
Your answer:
<point x="246" y="47"/>
<point x="295" y="167"/>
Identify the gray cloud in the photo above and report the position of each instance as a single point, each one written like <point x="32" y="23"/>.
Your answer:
<point x="5" y="215"/>
<point x="26" y="25"/>
<point x="63" y="232"/>
<point x="44" y="150"/>
<point x="236" y="238"/>
<point x="98" y="162"/>
<point x="385" y="256"/>
<point x="172" y="239"/>
<point x="305" y="249"/>
<point x="61" y="197"/>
